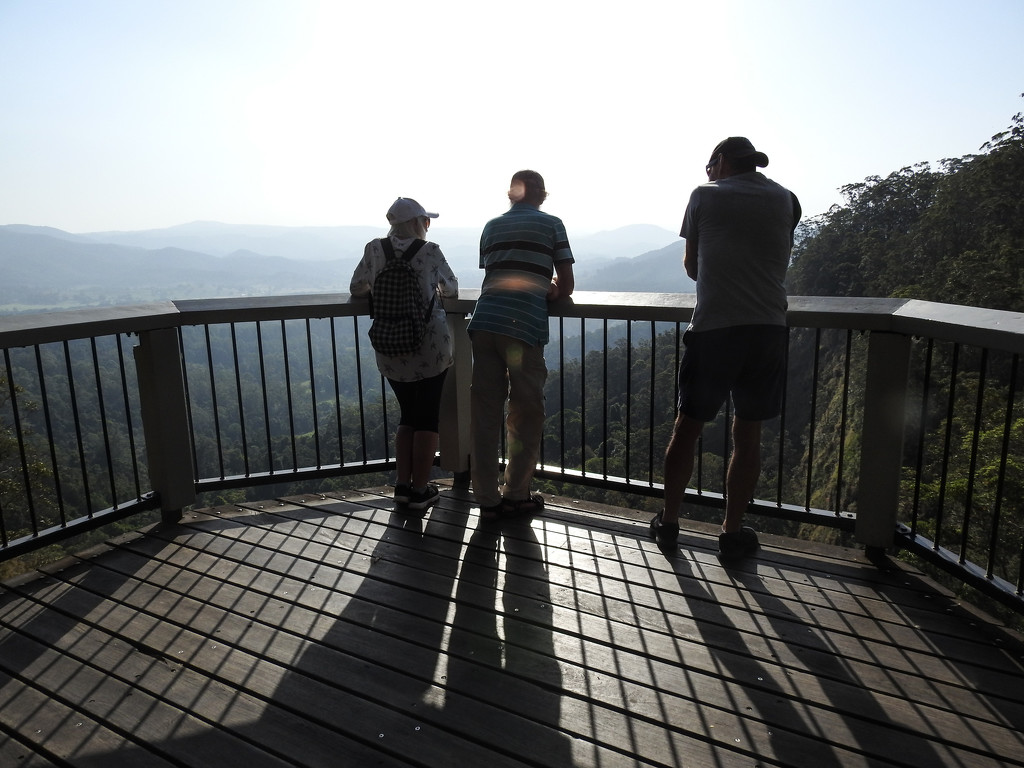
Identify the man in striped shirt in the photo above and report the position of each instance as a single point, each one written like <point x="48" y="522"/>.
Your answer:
<point x="527" y="261"/>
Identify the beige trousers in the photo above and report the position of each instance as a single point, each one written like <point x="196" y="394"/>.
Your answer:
<point x="505" y="369"/>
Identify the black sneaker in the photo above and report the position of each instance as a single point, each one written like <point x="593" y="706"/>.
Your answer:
<point x="402" y="491"/>
<point x="666" y="534"/>
<point x="738" y="544"/>
<point x="422" y="500"/>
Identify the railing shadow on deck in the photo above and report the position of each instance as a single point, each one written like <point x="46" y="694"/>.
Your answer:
<point x="902" y="420"/>
<point x="365" y="624"/>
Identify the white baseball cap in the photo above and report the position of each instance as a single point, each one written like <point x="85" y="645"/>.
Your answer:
<point x="407" y="209"/>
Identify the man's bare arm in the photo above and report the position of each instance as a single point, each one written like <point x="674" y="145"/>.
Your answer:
<point x="563" y="283"/>
<point x="690" y="258"/>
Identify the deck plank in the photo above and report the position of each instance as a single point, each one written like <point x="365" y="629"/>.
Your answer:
<point x="59" y="731"/>
<point x="247" y="651"/>
<point x="534" y="663"/>
<point x="475" y="645"/>
<point x="14" y="753"/>
<point x="897" y="707"/>
<point x="915" y="725"/>
<point x="329" y="628"/>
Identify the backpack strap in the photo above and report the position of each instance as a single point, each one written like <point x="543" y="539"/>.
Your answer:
<point x="413" y="249"/>
<point x="389" y="249"/>
<point x="389" y="254"/>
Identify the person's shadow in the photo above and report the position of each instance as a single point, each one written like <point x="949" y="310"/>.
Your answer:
<point x="424" y="659"/>
<point x="376" y="670"/>
<point x="504" y="654"/>
<point x="388" y="639"/>
<point x="776" y="722"/>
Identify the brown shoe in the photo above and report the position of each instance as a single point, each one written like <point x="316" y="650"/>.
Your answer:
<point x="523" y="507"/>
<point x="493" y="513"/>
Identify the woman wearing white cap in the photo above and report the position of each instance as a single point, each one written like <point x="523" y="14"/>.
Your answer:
<point x="416" y="378"/>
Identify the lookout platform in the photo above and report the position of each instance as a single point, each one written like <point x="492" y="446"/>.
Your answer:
<point x="335" y="631"/>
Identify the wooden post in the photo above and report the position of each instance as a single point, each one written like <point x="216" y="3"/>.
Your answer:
<point x="455" y="434"/>
<point x="881" y="456"/>
<point x="164" y="407"/>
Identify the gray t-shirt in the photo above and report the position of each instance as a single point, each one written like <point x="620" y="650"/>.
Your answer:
<point x="744" y="227"/>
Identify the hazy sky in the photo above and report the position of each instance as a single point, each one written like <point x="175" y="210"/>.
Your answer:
<point x="135" y="114"/>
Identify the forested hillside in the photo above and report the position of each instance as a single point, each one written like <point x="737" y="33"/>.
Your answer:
<point x="953" y="234"/>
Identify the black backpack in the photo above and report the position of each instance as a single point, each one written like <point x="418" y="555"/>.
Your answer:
<point x="397" y="307"/>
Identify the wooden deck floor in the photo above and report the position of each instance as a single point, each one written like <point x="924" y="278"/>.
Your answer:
<point x="324" y="631"/>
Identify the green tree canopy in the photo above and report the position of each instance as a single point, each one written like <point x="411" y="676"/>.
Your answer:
<point x="954" y="235"/>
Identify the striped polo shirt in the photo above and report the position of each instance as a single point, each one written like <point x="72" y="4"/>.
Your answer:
<point x="518" y="251"/>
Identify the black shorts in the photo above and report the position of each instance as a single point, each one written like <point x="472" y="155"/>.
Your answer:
<point x="745" y="361"/>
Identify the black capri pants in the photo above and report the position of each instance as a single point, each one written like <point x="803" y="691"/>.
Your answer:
<point x="420" y="401"/>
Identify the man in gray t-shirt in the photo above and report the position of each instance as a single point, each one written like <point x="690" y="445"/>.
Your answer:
<point x="739" y="237"/>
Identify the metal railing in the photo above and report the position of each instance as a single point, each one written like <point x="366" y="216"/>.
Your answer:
<point x="902" y="419"/>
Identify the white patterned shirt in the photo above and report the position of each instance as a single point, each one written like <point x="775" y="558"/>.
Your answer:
<point x="430" y="265"/>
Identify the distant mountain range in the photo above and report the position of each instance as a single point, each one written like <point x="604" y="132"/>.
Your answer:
<point x="44" y="268"/>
